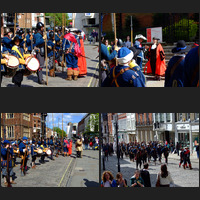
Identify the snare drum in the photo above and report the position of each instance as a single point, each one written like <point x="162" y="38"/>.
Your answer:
<point x="48" y="152"/>
<point x="32" y="65"/>
<point x="13" y="63"/>
<point x="40" y="151"/>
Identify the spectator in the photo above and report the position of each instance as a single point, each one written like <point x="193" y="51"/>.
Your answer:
<point x="108" y="180"/>
<point x="128" y="42"/>
<point x="164" y="177"/>
<point x="144" y="173"/>
<point x="121" y="182"/>
<point x="136" y="180"/>
<point x="197" y="150"/>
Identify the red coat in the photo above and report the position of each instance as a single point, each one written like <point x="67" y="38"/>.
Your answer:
<point x="160" y="64"/>
<point x="70" y="148"/>
<point x="82" y="64"/>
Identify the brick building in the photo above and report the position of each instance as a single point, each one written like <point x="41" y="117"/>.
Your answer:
<point x="16" y="125"/>
<point x="36" y="125"/>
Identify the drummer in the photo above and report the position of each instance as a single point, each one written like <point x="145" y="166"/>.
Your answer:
<point x="4" y="62"/>
<point x="19" y="53"/>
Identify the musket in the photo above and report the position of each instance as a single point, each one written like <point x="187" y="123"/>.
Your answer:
<point x="15" y="24"/>
<point x="25" y="33"/>
<point x="63" y="27"/>
<point x="8" y="172"/>
<point x="45" y="50"/>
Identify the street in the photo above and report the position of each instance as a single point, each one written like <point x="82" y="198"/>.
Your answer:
<point x="91" y="80"/>
<point x="181" y="177"/>
<point x="62" y="172"/>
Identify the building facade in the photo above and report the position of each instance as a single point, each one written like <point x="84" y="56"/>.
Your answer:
<point x="16" y="125"/>
<point x="86" y="22"/>
<point x="144" y="127"/>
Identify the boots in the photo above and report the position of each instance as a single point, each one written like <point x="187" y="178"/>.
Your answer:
<point x="51" y="73"/>
<point x="183" y="166"/>
<point x="76" y="73"/>
<point x="70" y="72"/>
<point x="190" y="166"/>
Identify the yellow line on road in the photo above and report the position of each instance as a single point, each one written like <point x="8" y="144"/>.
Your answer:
<point x="92" y="77"/>
<point x="65" y="173"/>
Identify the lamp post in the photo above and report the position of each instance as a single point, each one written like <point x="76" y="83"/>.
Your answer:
<point x="117" y="139"/>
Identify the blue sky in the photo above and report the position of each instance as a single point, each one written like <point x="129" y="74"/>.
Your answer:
<point x="67" y="117"/>
<point x="70" y="15"/>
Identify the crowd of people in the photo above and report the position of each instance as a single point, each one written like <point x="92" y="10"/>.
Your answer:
<point x="143" y="154"/>
<point x="27" y="149"/>
<point x="121" y="63"/>
<point x="64" y="48"/>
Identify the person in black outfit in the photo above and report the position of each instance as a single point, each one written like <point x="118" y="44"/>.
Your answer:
<point x="177" y="148"/>
<point x="144" y="173"/>
<point x="138" y="158"/>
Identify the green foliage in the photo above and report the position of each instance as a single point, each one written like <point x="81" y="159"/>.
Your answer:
<point x="59" y="131"/>
<point x="58" y="18"/>
<point x="93" y="123"/>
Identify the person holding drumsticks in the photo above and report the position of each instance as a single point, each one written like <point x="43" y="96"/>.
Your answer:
<point x="18" y="51"/>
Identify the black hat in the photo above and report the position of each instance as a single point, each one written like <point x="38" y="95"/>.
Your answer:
<point x="39" y="25"/>
<point x="21" y="31"/>
<point x="15" y="39"/>
<point x="7" y="30"/>
<point x="181" y="47"/>
<point x="51" y="34"/>
<point x="155" y="38"/>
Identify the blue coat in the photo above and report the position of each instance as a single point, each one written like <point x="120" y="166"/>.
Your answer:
<point x="13" y="52"/>
<point x="105" y="53"/>
<point x="38" y="39"/>
<point x="176" y="79"/>
<point x="22" y="146"/>
<point x="33" y="147"/>
<point x="50" y="51"/>
<point x="28" y="42"/>
<point x="4" y="157"/>
<point x="191" y="68"/>
<point x="129" y="78"/>
<point x="7" y="44"/>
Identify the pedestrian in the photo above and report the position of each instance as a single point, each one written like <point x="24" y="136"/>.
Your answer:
<point x="181" y="157"/>
<point x="79" y="148"/>
<point x="165" y="151"/>
<point x="174" y="74"/>
<point x="145" y="175"/>
<point x="138" y="158"/>
<point x="86" y="143"/>
<point x="70" y="147"/>
<point x="197" y="150"/>
<point x="108" y="180"/>
<point x="156" y="60"/>
<point x="187" y="158"/>
<point x="136" y="180"/>
<point x="128" y="42"/>
<point x="154" y="154"/>
<point x="93" y="36"/>
<point x="164" y="177"/>
<point x="177" y="148"/>
<point x="159" y="151"/>
<point x="121" y="182"/>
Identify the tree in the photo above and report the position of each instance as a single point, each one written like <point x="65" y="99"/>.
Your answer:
<point x="59" y="131"/>
<point x="58" y="18"/>
<point x="93" y="123"/>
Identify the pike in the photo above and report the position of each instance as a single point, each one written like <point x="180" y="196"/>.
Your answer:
<point x="45" y="49"/>
<point x="115" y="33"/>
<point x="8" y="172"/>
<point x="54" y="45"/>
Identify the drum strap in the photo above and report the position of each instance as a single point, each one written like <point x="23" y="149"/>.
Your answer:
<point x="17" y="50"/>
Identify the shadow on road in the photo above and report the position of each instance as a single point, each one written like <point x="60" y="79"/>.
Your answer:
<point x="91" y="183"/>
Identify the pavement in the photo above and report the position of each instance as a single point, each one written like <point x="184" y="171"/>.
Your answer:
<point x="181" y="177"/>
<point x="150" y="82"/>
<point x="61" y="172"/>
<point x="91" y="80"/>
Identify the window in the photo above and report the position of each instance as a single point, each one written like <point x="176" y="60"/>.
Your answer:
<point x="10" y="131"/>
<point x="91" y="21"/>
<point x="187" y="116"/>
<point x="10" y="115"/>
<point x="148" y="121"/>
<point x="156" y="117"/>
<point x="162" y="117"/>
<point x="26" y="132"/>
<point x="168" y="117"/>
<point x="196" y="116"/>
<point x="26" y="116"/>
<point x="180" y="116"/>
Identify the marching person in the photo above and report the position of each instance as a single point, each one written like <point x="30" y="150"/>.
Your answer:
<point x="39" y="44"/>
<point x="79" y="147"/>
<point x="29" y="41"/>
<point x="122" y="75"/>
<point x="175" y="70"/>
<point x="156" y="60"/>
<point x="33" y="153"/>
<point x="50" y="47"/>
<point x="24" y="155"/>
<point x="4" y="150"/>
<point x="69" y="44"/>
<point x="18" y="51"/>
<point x="51" y="144"/>
<point x="7" y="41"/>
<point x="4" y="62"/>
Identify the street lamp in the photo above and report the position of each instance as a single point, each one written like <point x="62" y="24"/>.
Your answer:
<point x="117" y="139"/>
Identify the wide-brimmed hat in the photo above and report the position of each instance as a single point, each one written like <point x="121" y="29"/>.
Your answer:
<point x="140" y="36"/>
<point x="124" y="55"/>
<point x="181" y="47"/>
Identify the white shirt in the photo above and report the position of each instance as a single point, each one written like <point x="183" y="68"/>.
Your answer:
<point x="107" y="184"/>
<point x="165" y="181"/>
